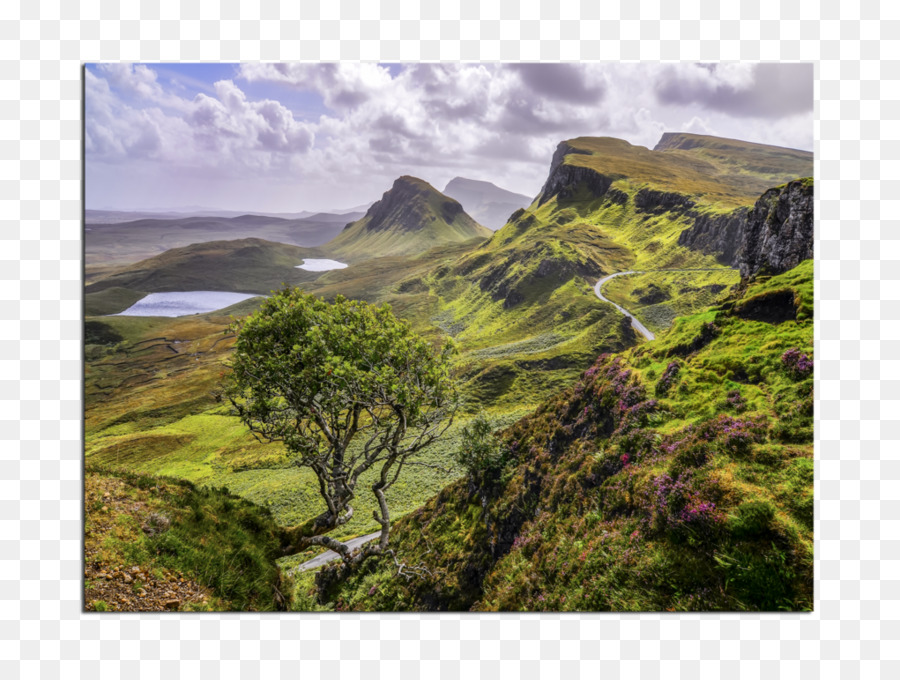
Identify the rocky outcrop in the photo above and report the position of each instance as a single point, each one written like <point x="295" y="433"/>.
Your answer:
<point x="564" y="179"/>
<point x="616" y="196"/>
<point x="658" y="202"/>
<point x="779" y="231"/>
<point x="717" y="234"/>
<point x="773" y="236"/>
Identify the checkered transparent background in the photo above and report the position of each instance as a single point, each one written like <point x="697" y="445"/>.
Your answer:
<point x="855" y="627"/>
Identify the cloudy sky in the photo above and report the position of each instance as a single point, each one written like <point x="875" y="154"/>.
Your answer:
<point x="292" y="137"/>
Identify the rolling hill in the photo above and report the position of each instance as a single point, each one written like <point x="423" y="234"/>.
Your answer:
<point x="524" y="298"/>
<point x="121" y="243"/>
<point x="486" y="202"/>
<point x="411" y="217"/>
<point x="248" y="265"/>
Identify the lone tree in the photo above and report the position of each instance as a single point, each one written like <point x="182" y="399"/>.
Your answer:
<point x="347" y="387"/>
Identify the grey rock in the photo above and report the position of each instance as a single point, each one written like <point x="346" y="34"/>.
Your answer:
<point x="779" y="231"/>
<point x="564" y="179"/>
<point x="773" y="236"/>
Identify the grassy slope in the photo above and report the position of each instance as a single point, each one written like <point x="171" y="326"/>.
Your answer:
<point x="756" y="166"/>
<point x="719" y="172"/>
<point x="711" y="509"/>
<point x="153" y="543"/>
<point x="152" y="390"/>
<point x="126" y="243"/>
<point x="524" y="299"/>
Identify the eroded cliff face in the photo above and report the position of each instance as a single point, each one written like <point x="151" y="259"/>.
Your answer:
<point x="775" y="235"/>
<point x="718" y="235"/>
<point x="563" y="179"/>
<point x="778" y="234"/>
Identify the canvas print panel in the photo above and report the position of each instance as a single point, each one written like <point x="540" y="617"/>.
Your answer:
<point x="492" y="337"/>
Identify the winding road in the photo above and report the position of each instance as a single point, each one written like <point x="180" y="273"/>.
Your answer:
<point x="637" y="325"/>
<point x="330" y="555"/>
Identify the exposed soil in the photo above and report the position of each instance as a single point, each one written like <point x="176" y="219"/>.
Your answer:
<point x="110" y="585"/>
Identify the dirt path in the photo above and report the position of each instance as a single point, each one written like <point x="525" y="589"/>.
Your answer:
<point x="330" y="555"/>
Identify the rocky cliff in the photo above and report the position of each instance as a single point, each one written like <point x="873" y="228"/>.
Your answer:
<point x="408" y="205"/>
<point x="773" y="236"/>
<point x="716" y="234"/>
<point x="564" y="179"/>
<point x="411" y="217"/>
<point x="778" y="234"/>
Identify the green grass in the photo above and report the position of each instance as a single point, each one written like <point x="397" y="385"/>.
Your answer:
<point x="110" y="301"/>
<point x="719" y="171"/>
<point x="248" y="265"/>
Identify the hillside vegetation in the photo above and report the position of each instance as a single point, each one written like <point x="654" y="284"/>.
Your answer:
<point x="128" y="242"/>
<point x="673" y="476"/>
<point x="243" y="265"/>
<point x="522" y="303"/>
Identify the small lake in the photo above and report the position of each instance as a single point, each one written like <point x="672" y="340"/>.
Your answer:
<point x="183" y="304"/>
<point x="320" y="265"/>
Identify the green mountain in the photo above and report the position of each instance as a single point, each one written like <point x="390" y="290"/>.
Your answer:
<point x="700" y="170"/>
<point x="521" y="305"/>
<point x="411" y="217"/>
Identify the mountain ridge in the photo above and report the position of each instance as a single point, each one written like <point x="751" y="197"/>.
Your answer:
<point x="489" y="204"/>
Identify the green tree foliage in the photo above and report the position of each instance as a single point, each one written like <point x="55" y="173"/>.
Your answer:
<point x="348" y="388"/>
<point x="480" y="453"/>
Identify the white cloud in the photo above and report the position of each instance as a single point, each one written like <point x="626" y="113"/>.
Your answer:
<point x="224" y="131"/>
<point x="486" y="121"/>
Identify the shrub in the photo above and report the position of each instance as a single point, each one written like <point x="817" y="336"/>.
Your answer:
<point x="752" y="519"/>
<point x="681" y="505"/>
<point x="667" y="378"/>
<point x="480" y="452"/>
<point x="735" y="401"/>
<point x="797" y="364"/>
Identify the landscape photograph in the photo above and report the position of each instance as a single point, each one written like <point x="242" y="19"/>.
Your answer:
<point x="418" y="337"/>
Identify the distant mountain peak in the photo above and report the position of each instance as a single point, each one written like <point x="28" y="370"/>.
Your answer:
<point x="485" y="201"/>
<point x="690" y="140"/>
<point x="412" y="216"/>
